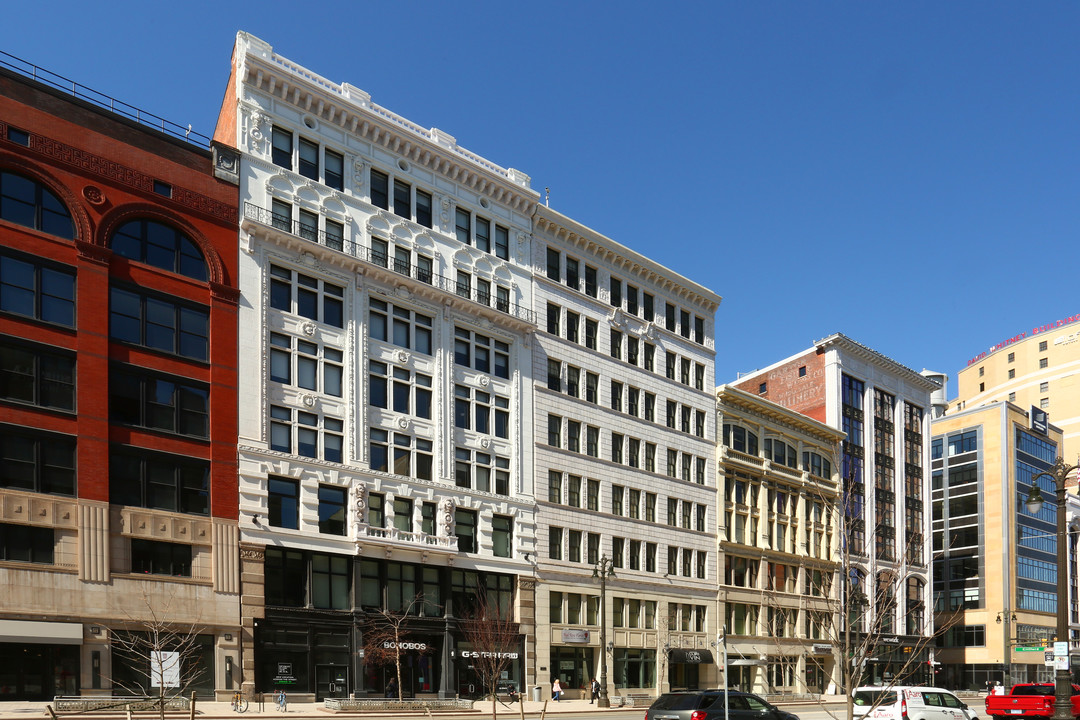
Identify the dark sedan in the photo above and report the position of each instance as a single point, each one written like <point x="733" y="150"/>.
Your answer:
<point x="709" y="705"/>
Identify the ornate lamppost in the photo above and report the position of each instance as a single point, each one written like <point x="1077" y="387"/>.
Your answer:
<point x="603" y="570"/>
<point x="1063" y="676"/>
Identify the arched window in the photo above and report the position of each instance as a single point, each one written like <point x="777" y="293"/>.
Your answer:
<point x="160" y="245"/>
<point x="915" y="615"/>
<point x="740" y="439"/>
<point x="27" y="202"/>
<point x="780" y="452"/>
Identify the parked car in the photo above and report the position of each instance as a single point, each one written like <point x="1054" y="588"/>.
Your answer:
<point x="709" y="705"/>
<point x="910" y="702"/>
<point x="1028" y="700"/>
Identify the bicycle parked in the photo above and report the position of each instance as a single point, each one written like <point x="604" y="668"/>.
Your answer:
<point x="239" y="702"/>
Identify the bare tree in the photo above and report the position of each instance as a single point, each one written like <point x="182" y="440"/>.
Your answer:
<point x="387" y="638"/>
<point x="163" y="655"/>
<point x="494" y="637"/>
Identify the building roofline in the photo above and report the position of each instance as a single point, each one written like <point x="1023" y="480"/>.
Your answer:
<point x="351" y="109"/>
<point x="843" y="342"/>
<point x="571" y="231"/>
<point x="118" y="111"/>
<point x="741" y="398"/>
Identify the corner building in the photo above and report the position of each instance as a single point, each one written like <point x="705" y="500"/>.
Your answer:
<point x="625" y="421"/>
<point x="118" y="312"/>
<point x="995" y="563"/>
<point x="881" y="406"/>
<point x="385" y="384"/>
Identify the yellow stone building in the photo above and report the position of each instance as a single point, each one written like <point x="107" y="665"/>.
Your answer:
<point x="995" y="566"/>
<point x="1036" y="367"/>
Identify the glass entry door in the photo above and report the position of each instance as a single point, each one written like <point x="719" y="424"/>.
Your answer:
<point x="331" y="681"/>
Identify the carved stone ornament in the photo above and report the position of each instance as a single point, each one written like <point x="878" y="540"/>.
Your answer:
<point x="359" y="173"/>
<point x="256" y="136"/>
<point x="402" y="356"/>
<point x="403" y="423"/>
<point x="403" y="292"/>
<point x="93" y="195"/>
<point x="526" y="583"/>
<point x="252" y="554"/>
<point x="360" y="503"/>
<point x="483" y="381"/>
<point x="308" y="328"/>
<point x="446" y="517"/>
<point x="308" y="400"/>
<point x="485" y="443"/>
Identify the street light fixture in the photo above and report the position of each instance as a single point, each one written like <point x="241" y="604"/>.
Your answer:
<point x="1063" y="676"/>
<point x="603" y="570"/>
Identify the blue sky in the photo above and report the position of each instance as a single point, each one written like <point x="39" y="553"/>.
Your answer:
<point x="903" y="172"/>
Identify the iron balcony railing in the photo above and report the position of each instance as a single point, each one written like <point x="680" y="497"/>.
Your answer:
<point x="338" y="242"/>
<point x="103" y="101"/>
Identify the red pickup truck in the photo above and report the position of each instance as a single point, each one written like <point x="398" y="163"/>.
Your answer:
<point x="1029" y="700"/>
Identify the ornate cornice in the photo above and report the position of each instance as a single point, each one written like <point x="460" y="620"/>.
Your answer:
<point x="350" y="109"/>
<point x="623" y="259"/>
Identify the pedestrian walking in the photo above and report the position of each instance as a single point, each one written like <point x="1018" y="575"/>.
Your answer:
<point x="556" y="689"/>
<point x="282" y="705"/>
<point x="594" y="691"/>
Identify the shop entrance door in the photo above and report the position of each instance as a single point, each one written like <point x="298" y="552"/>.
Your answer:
<point x="331" y="681"/>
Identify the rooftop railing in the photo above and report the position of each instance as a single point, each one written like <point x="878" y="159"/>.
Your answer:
<point x="103" y="101"/>
<point x="332" y="240"/>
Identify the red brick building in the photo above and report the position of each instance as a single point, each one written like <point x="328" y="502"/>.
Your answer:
<point x="118" y="425"/>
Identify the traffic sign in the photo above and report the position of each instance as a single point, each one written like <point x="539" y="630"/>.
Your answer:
<point x="1036" y="648"/>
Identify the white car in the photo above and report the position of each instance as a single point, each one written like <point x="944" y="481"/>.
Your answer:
<point x="910" y="702"/>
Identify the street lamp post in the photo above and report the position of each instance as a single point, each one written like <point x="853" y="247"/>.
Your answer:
<point x="603" y="570"/>
<point x="1062" y="677"/>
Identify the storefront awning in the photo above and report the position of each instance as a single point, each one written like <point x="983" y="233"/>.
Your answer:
<point x="42" y="633"/>
<point x="690" y="657"/>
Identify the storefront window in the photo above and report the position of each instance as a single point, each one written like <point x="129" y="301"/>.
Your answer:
<point x="635" y="668"/>
<point x="573" y="666"/>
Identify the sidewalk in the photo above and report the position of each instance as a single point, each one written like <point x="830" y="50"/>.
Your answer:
<point x="208" y="710"/>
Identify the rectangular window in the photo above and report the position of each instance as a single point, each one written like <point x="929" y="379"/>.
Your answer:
<point x="555" y="538"/>
<point x="309" y="160"/>
<point x="572" y="274"/>
<point x="152" y="557"/>
<point x="554" y="264"/>
<point x="592" y="497"/>
<point x="670" y="321"/>
<point x="573" y="321"/>
<point x="402" y="327"/>
<point x="592" y="441"/>
<point x="27" y="543"/>
<point x="573" y="542"/>
<point x="592" y="549"/>
<point x="590" y="334"/>
<point x="157" y="324"/>
<point x="590" y="281"/>
<point x="281" y="147"/>
<point x="159" y="481"/>
<point x="332" y="507"/>
<point x="592" y="382"/>
<point x="650" y="457"/>
<point x="573" y="491"/>
<point x="36" y="376"/>
<point x="158" y="403"/>
<point x="465" y="529"/>
<point x="554" y="486"/>
<point x="502" y="535"/>
<point x="37" y="462"/>
<point x="283" y="503"/>
<point x="616" y="344"/>
<point x="615" y="288"/>
<point x="617" y="500"/>
<point x="330" y="582"/>
<point x="335" y="170"/>
<point x="309" y="297"/>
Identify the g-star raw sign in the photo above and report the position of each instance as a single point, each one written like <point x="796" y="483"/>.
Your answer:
<point x="478" y="654"/>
